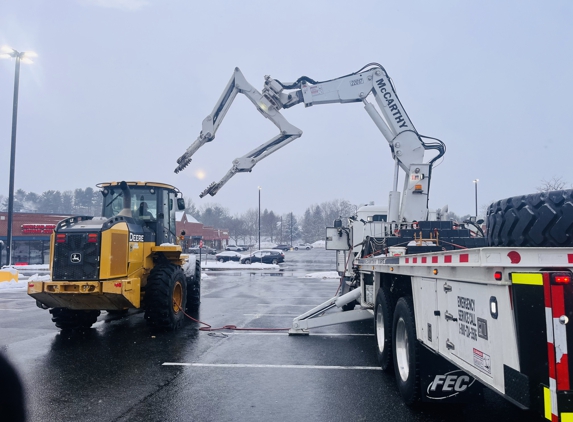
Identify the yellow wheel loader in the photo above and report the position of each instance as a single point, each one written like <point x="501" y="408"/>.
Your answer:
<point x="129" y="258"/>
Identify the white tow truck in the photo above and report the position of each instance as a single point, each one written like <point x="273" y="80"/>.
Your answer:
<point x="454" y="309"/>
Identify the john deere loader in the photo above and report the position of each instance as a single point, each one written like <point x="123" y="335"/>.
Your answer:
<point x="129" y="258"/>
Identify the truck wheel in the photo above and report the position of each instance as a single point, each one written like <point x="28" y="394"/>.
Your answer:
<point x="165" y="297"/>
<point x="194" y="288"/>
<point x="383" y="329"/>
<point x="406" y="365"/>
<point x="65" y="318"/>
<point x="543" y="219"/>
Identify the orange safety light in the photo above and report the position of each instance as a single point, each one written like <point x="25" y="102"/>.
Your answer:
<point x="418" y="188"/>
<point x="561" y="278"/>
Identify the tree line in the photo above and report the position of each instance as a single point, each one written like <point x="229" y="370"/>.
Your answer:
<point x="284" y="228"/>
<point x="243" y="228"/>
<point x="80" y="202"/>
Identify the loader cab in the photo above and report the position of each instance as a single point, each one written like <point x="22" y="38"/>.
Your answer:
<point x="151" y="205"/>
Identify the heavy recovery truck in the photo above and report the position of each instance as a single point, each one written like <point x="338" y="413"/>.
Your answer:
<point x="454" y="309"/>
<point x="129" y="258"/>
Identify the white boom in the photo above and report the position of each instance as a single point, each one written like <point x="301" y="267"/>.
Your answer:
<point x="405" y="143"/>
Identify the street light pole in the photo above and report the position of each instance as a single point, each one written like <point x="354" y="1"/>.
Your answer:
<point x="8" y="52"/>
<point x="259" y="218"/>
<point x="476" y="190"/>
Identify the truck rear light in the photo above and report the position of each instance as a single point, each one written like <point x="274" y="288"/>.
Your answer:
<point x="561" y="278"/>
<point x="60" y="238"/>
<point x="92" y="238"/>
<point x="497" y="275"/>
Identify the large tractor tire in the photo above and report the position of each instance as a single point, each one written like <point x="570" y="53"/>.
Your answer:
<point x="194" y="288"/>
<point x="406" y="353"/>
<point x="383" y="329"/>
<point x="68" y="319"/>
<point x="165" y="297"/>
<point x="539" y="220"/>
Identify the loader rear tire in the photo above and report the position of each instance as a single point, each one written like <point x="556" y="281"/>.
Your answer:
<point x="406" y="351"/>
<point x="68" y="319"/>
<point x="383" y="329"/>
<point x="543" y="219"/>
<point x="165" y="297"/>
<point x="194" y="288"/>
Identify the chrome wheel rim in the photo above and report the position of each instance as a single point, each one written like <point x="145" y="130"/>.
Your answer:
<point x="380" y="334"/>
<point x="401" y="346"/>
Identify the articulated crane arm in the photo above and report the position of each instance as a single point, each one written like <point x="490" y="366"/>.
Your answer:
<point x="238" y="84"/>
<point x="405" y="143"/>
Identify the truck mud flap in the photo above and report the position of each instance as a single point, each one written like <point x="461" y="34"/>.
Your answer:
<point x="442" y="382"/>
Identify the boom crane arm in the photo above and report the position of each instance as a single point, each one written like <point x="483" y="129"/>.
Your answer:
<point x="405" y="143"/>
<point x="238" y="84"/>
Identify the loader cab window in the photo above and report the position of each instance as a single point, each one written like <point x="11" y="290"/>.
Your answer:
<point x="143" y="203"/>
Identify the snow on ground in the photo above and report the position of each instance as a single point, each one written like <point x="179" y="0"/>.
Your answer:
<point x="234" y="265"/>
<point x="323" y="275"/>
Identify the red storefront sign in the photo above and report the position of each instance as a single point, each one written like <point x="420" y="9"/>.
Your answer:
<point x="37" y="228"/>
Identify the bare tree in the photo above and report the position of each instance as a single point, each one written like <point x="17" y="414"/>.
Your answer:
<point x="555" y="183"/>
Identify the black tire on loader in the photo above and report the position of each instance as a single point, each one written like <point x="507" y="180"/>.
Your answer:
<point x="68" y="319"/>
<point x="194" y="288"/>
<point x="542" y="219"/>
<point x="165" y="297"/>
<point x="383" y="329"/>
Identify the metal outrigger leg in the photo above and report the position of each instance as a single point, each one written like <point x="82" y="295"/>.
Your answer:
<point x="316" y="318"/>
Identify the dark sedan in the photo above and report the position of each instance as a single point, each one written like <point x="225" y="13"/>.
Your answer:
<point x="205" y="250"/>
<point x="228" y="256"/>
<point x="265" y="256"/>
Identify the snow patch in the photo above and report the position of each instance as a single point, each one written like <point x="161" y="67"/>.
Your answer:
<point x="323" y="275"/>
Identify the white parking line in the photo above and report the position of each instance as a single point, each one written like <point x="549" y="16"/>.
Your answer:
<point x="284" y="333"/>
<point x="237" y="365"/>
<point x="282" y="304"/>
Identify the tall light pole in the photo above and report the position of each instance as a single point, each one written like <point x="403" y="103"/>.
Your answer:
<point x="476" y="190"/>
<point x="260" y="218"/>
<point x="291" y="229"/>
<point x="7" y="52"/>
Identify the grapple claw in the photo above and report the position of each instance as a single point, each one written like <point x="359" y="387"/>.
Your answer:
<point x="211" y="190"/>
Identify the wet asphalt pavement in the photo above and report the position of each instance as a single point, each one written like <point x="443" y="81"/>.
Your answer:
<point x="120" y="371"/>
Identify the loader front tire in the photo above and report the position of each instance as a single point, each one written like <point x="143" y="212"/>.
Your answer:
<point x="165" y="297"/>
<point x="383" y="329"/>
<point x="406" y="352"/>
<point x="543" y="219"/>
<point x="68" y="319"/>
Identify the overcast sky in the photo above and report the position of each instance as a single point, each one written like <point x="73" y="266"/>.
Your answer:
<point x="120" y="87"/>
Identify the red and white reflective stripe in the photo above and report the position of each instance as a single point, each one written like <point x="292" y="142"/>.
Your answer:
<point x="446" y="259"/>
<point x="557" y="360"/>
<point x="550" y="345"/>
<point x="560" y="338"/>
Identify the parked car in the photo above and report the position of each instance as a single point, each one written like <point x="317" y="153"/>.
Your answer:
<point x="266" y="256"/>
<point x="228" y="256"/>
<point x="306" y="246"/>
<point x="204" y="250"/>
<point x="283" y="247"/>
<point x="235" y="248"/>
